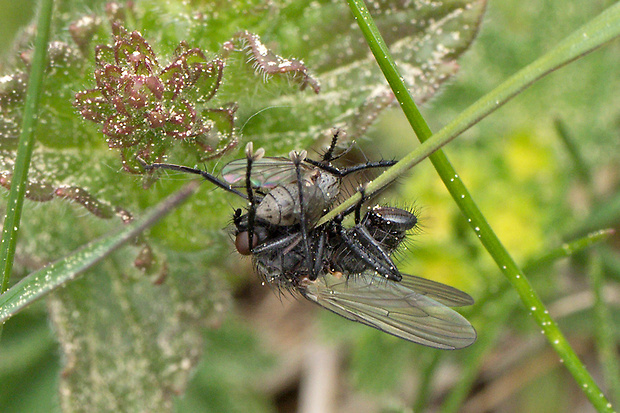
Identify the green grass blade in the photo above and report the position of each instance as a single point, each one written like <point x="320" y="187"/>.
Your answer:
<point x="44" y="281"/>
<point x="605" y="330"/>
<point x="569" y="248"/>
<point x="498" y="311"/>
<point x="589" y="37"/>
<point x="26" y="143"/>
<point x="424" y="390"/>
<point x="594" y="34"/>
<point x="581" y="166"/>
<point x="603" y="214"/>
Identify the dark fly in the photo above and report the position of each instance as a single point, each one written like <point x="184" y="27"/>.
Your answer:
<point x="287" y="193"/>
<point x="415" y="309"/>
<point x="348" y="271"/>
<point x="370" y="243"/>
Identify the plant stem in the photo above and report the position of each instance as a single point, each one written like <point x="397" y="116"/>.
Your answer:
<point x="14" y="205"/>
<point x="424" y="389"/>
<point x="604" y="328"/>
<point x="603" y="325"/>
<point x="26" y="143"/>
<point x="610" y="21"/>
<point x="51" y="277"/>
<point x="581" y="166"/>
<point x="497" y="312"/>
<point x="594" y="34"/>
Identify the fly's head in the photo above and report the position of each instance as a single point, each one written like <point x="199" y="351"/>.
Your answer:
<point x="242" y="238"/>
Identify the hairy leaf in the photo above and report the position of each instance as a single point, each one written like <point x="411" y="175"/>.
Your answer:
<point x="279" y="73"/>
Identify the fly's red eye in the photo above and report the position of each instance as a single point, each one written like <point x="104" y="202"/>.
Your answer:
<point x="242" y="243"/>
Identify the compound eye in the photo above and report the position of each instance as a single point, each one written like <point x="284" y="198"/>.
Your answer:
<point x="242" y="243"/>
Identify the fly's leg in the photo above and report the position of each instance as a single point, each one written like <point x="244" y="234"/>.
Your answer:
<point x="358" y="207"/>
<point x="328" y="157"/>
<point x="329" y="154"/>
<point x="372" y="242"/>
<point x="297" y="159"/>
<point x="370" y="252"/>
<point x="386" y="266"/>
<point x="319" y="256"/>
<point x="386" y="163"/>
<point x="355" y="168"/>
<point x="364" y="246"/>
<point x="251" y="158"/>
<point x="206" y="175"/>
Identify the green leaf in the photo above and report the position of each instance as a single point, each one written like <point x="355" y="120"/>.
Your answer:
<point x="155" y="327"/>
<point x="595" y="33"/>
<point x="426" y="39"/>
<point x="136" y="342"/>
<point x="60" y="273"/>
<point x="113" y="314"/>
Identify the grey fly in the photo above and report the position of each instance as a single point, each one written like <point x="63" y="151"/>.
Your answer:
<point x="348" y="271"/>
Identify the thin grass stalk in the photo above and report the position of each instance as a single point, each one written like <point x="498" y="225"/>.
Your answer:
<point x="497" y="312"/>
<point x="26" y="144"/>
<point x="604" y="329"/>
<point x="19" y="183"/>
<point x="602" y="29"/>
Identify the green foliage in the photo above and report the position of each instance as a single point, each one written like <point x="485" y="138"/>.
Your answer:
<point x="187" y="86"/>
<point x="135" y="339"/>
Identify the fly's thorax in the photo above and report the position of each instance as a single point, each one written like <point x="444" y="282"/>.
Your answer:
<point x="389" y="225"/>
<point x="329" y="185"/>
<point x="390" y="219"/>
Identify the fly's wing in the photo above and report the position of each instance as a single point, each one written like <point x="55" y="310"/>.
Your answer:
<point x="267" y="173"/>
<point x="393" y="308"/>
<point x="444" y="294"/>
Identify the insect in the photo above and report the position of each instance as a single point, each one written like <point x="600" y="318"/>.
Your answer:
<point x="370" y="243"/>
<point x="294" y="190"/>
<point x="348" y="271"/>
<point x="415" y="309"/>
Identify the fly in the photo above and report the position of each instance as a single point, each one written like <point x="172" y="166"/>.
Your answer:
<point x="415" y="309"/>
<point x="284" y="182"/>
<point x="348" y="271"/>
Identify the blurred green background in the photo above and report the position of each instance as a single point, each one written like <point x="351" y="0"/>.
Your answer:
<point x="520" y="173"/>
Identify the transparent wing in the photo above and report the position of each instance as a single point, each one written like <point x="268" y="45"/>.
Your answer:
<point x="444" y="294"/>
<point x="267" y="173"/>
<point x="395" y="308"/>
